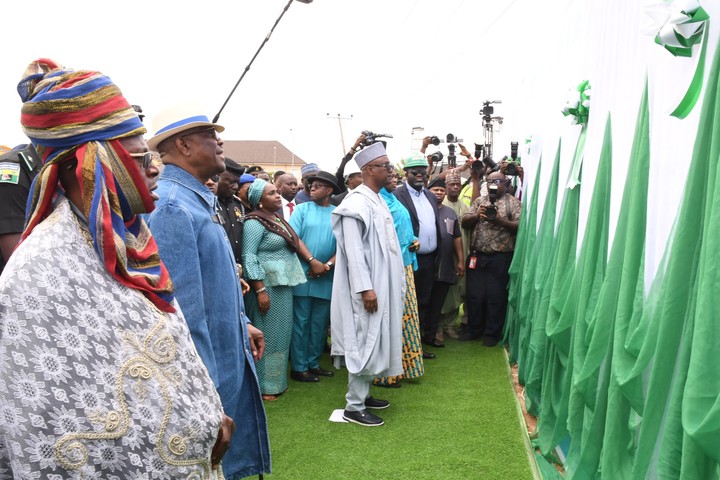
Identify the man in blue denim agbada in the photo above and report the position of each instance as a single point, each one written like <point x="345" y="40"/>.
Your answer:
<point x="198" y="255"/>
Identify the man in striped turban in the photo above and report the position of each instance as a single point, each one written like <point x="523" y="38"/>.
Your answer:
<point x="99" y="373"/>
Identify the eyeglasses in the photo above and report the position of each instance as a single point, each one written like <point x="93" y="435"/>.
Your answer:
<point x="387" y="166"/>
<point x="145" y="158"/>
<point x="416" y="172"/>
<point x="496" y="181"/>
<point x="204" y="130"/>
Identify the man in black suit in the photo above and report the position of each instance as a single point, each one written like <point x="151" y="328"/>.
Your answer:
<point x="287" y="186"/>
<point x="423" y="208"/>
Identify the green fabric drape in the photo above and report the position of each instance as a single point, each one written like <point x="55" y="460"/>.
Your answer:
<point x="618" y="440"/>
<point x="567" y="315"/>
<point x="617" y="295"/>
<point x="519" y="271"/>
<point x="680" y="430"/>
<point x="532" y="345"/>
<point x="550" y="431"/>
<point x="628" y="373"/>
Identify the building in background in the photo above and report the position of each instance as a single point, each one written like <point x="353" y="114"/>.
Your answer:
<point x="269" y="154"/>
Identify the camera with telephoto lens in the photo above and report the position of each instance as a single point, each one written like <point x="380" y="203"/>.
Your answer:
<point x="371" y="137"/>
<point x="491" y="210"/>
<point x="512" y="165"/>
<point x="490" y="163"/>
<point x="435" y="140"/>
<point x="477" y="165"/>
<point x="436" y="157"/>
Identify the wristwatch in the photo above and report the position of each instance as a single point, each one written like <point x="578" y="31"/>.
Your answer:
<point x="330" y="264"/>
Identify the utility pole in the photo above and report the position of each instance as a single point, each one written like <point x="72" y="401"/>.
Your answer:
<point x="340" y="118"/>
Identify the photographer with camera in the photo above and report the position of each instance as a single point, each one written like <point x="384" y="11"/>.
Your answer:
<point x="473" y="186"/>
<point x="437" y="157"/>
<point x="494" y="219"/>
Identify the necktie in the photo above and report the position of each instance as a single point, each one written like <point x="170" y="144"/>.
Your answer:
<point x="291" y="205"/>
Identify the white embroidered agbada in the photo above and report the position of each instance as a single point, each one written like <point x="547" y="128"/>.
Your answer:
<point x="368" y="257"/>
<point x="95" y="381"/>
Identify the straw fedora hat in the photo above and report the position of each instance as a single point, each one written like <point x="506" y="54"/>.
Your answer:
<point x="177" y="119"/>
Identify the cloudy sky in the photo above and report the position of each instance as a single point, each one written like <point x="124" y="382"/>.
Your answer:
<point x="390" y="66"/>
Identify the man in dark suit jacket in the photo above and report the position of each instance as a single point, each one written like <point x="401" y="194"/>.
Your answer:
<point x="423" y="208"/>
<point x="287" y="186"/>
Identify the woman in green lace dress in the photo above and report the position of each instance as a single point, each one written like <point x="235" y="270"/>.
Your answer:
<point x="272" y="267"/>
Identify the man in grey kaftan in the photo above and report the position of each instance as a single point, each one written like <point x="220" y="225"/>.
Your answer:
<point x="368" y="289"/>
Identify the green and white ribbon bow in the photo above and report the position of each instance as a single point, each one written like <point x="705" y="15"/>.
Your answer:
<point x="685" y="25"/>
<point x="578" y="104"/>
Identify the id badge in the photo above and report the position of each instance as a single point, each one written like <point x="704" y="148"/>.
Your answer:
<point x="472" y="262"/>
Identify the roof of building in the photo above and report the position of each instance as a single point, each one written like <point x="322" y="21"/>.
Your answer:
<point x="267" y="153"/>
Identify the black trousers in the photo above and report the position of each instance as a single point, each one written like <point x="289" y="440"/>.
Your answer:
<point x="434" y="309"/>
<point x="486" y="293"/>
<point x="430" y="295"/>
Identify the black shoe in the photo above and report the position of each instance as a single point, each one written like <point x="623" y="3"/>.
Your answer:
<point x="305" y="376"/>
<point x="428" y="355"/>
<point x="363" y="417"/>
<point x="433" y="342"/>
<point x="376" y="403"/>
<point x="490" y="341"/>
<point x="321" y="372"/>
<point x="388" y="385"/>
<point x="466" y="336"/>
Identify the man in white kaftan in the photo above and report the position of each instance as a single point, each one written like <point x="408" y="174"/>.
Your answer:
<point x="95" y="381"/>
<point x="368" y="288"/>
<point x="99" y="376"/>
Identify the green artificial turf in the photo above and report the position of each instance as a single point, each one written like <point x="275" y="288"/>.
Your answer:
<point x="459" y="421"/>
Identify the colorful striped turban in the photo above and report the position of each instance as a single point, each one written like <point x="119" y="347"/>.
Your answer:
<point x="81" y="115"/>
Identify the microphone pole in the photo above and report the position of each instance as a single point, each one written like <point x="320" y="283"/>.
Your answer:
<point x="217" y="116"/>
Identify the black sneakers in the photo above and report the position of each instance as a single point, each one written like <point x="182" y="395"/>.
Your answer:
<point x="376" y="403"/>
<point x="363" y="417"/>
<point x="303" y="376"/>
